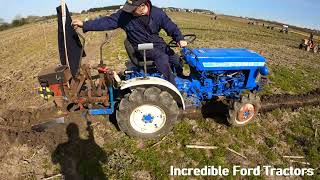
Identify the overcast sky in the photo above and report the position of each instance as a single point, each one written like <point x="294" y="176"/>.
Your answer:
<point x="305" y="13"/>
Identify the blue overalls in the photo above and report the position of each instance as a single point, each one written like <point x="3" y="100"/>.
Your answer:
<point x="145" y="29"/>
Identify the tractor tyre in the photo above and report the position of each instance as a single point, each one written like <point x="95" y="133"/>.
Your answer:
<point x="301" y="46"/>
<point x="308" y="48"/>
<point x="244" y="111"/>
<point x="147" y="113"/>
<point x="315" y="49"/>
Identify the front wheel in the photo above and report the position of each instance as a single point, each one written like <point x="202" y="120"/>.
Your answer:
<point x="243" y="112"/>
<point x="147" y="113"/>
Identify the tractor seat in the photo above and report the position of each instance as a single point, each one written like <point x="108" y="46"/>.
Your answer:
<point x="133" y="57"/>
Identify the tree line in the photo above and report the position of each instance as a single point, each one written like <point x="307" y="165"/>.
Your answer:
<point x="19" y="21"/>
<point x="107" y="8"/>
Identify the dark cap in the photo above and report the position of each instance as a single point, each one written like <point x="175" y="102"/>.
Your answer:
<point x="131" y="5"/>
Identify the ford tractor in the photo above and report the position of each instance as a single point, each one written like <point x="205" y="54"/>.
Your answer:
<point x="309" y="45"/>
<point x="285" y="29"/>
<point x="144" y="103"/>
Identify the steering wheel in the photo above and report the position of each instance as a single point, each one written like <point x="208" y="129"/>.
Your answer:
<point x="190" y="38"/>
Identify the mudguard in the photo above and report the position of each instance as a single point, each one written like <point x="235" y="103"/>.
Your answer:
<point x="157" y="82"/>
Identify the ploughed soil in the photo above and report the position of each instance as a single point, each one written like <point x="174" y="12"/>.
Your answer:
<point x="27" y="154"/>
<point x="272" y="102"/>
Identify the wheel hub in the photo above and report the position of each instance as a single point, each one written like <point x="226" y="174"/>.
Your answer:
<point x="147" y="119"/>
<point x="246" y="113"/>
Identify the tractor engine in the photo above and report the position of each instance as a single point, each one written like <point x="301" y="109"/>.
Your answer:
<point x="221" y="72"/>
<point x="212" y="84"/>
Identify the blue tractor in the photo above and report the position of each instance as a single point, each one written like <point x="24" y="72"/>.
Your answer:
<point x="146" y="105"/>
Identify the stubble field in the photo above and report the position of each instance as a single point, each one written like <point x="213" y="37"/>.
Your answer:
<point x="25" y="50"/>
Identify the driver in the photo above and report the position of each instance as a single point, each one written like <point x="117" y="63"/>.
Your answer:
<point x="311" y="39"/>
<point x="142" y="23"/>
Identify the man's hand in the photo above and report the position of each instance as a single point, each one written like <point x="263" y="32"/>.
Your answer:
<point x="182" y="43"/>
<point x="77" y="23"/>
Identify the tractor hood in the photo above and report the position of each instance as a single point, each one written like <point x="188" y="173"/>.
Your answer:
<point x="205" y="59"/>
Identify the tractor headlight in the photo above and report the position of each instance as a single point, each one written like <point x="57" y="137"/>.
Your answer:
<point x="264" y="71"/>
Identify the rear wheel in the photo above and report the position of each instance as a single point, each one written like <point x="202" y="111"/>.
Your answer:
<point x="244" y="111"/>
<point x="147" y="113"/>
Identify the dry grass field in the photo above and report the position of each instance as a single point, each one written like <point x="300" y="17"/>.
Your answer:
<point x="25" y="50"/>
